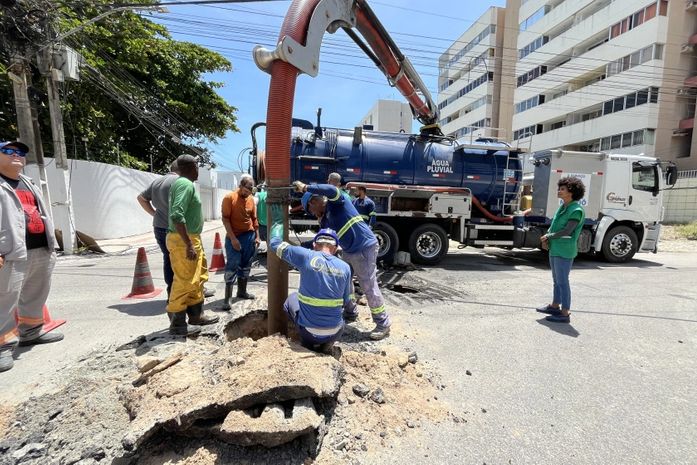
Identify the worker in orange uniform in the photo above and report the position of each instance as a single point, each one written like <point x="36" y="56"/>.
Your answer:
<point x="242" y="238"/>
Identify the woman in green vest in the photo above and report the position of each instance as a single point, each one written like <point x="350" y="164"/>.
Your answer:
<point x="561" y="241"/>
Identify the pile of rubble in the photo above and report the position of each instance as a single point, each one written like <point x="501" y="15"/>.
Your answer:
<point x="223" y="398"/>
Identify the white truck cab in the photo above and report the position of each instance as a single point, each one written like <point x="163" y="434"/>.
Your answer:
<point x="623" y="200"/>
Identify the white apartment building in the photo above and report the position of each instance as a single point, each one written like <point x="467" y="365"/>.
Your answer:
<point x="610" y="75"/>
<point x="389" y="116"/>
<point x="470" y="78"/>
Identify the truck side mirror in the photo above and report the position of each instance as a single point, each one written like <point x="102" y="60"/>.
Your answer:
<point x="671" y="175"/>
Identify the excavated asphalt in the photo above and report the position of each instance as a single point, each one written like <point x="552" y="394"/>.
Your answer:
<point x="615" y="386"/>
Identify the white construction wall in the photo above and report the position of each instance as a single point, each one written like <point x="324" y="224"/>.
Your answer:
<point x="104" y="197"/>
<point x="681" y="201"/>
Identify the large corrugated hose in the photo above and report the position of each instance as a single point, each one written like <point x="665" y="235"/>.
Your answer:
<point x="279" y="113"/>
<point x="279" y="120"/>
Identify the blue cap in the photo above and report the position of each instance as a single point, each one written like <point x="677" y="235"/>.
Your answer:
<point x="306" y="199"/>
<point x="19" y="145"/>
<point x="326" y="233"/>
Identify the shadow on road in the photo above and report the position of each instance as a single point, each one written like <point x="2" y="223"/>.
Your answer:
<point x="142" y="308"/>
<point x="561" y="328"/>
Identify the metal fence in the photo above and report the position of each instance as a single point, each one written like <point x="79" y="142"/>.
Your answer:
<point x="681" y="201"/>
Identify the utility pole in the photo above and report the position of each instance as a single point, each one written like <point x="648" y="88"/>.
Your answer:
<point x="63" y="209"/>
<point x="28" y="123"/>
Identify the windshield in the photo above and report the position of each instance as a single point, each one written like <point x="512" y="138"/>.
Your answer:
<point x="644" y="177"/>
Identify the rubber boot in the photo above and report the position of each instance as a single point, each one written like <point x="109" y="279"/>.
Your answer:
<point x="178" y="326"/>
<point x="242" y="289"/>
<point x="198" y="317"/>
<point x="228" y="296"/>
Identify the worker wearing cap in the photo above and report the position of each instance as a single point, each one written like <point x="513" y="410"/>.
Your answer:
<point x="316" y="309"/>
<point x="27" y="256"/>
<point x="358" y="243"/>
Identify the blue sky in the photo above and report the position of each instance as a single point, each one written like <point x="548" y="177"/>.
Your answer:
<point x="348" y="84"/>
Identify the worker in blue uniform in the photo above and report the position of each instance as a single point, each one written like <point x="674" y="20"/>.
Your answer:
<point x="316" y="309"/>
<point x="358" y="243"/>
<point x="365" y="206"/>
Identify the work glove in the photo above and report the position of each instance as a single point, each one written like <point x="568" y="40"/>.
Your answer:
<point x="277" y="221"/>
<point x="299" y="186"/>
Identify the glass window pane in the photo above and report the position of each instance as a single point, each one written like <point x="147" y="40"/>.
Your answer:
<point x="605" y="143"/>
<point x="649" y="136"/>
<point x="638" y="137"/>
<point x="663" y="8"/>
<point x="642" y="97"/>
<point x="658" y="52"/>
<point x="607" y="107"/>
<point x="635" y="59"/>
<point x="618" y="104"/>
<point x="615" y="30"/>
<point x="626" y="139"/>
<point x="631" y="101"/>
<point x="643" y="177"/>
<point x="654" y="95"/>
<point x="615" y="142"/>
<point x="650" y="12"/>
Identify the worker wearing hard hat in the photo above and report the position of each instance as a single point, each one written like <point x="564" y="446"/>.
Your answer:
<point x="358" y="243"/>
<point x="316" y="309"/>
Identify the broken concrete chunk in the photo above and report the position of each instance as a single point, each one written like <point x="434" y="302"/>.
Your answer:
<point x="147" y="363"/>
<point x="272" y="428"/>
<point x="203" y="386"/>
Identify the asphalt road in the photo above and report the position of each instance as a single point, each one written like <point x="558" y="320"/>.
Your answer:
<point x="616" y="386"/>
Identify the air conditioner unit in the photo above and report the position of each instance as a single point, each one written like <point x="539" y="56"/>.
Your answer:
<point x="681" y="132"/>
<point x="687" y="48"/>
<point x="691" y="5"/>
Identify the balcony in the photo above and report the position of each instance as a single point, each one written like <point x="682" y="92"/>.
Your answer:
<point x="687" y="123"/>
<point x="691" y="81"/>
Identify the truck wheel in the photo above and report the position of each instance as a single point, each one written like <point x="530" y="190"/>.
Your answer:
<point x="388" y="241"/>
<point x="620" y="244"/>
<point x="428" y="244"/>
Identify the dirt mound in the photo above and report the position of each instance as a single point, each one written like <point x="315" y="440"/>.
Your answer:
<point x="169" y="401"/>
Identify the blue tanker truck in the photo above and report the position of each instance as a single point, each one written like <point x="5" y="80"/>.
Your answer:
<point x="431" y="189"/>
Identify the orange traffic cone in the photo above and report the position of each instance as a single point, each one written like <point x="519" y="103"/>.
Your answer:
<point x="49" y="324"/>
<point x="143" y="287"/>
<point x="218" y="259"/>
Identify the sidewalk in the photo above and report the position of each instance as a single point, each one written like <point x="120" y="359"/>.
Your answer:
<point x="129" y="245"/>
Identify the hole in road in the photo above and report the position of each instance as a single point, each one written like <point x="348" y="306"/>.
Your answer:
<point x="402" y="289"/>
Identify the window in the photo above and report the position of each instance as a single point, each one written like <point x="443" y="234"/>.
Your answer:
<point x="607" y="107"/>
<point x="644" y="178"/>
<point x="630" y="102"/>
<point x="653" y="98"/>
<point x="638" y="138"/>
<point x="473" y="43"/>
<point x="615" y="141"/>
<point x="638" y="18"/>
<point x="650" y="12"/>
<point x="642" y="97"/>
<point x="618" y="104"/>
<point x="535" y="17"/>
<point x="663" y="8"/>
<point x="627" y="139"/>
<point x="557" y="125"/>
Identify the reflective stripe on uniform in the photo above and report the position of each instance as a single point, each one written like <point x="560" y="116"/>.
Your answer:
<point x="349" y="223"/>
<point x="281" y="248"/>
<point x="338" y="195"/>
<point x="323" y="331"/>
<point x="365" y="217"/>
<point x="315" y="302"/>
<point x="30" y="321"/>
<point x="373" y="214"/>
<point x="377" y="310"/>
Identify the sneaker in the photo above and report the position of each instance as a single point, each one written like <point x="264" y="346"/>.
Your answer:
<point x="380" y="332"/>
<point x="548" y="309"/>
<point x="208" y="292"/>
<point x="44" y="338"/>
<point x="559" y="318"/>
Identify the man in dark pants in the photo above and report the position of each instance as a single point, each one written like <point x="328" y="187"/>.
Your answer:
<point x="155" y="201"/>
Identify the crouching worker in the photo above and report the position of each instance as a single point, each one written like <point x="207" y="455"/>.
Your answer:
<point x="316" y="309"/>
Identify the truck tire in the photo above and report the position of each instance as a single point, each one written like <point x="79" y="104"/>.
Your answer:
<point x="428" y="244"/>
<point x="388" y="241"/>
<point x="620" y="244"/>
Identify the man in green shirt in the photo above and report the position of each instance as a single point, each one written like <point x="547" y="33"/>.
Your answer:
<point x="186" y="252"/>
<point x="261" y="211"/>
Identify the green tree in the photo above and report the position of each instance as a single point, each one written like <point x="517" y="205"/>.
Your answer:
<point x="142" y="96"/>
